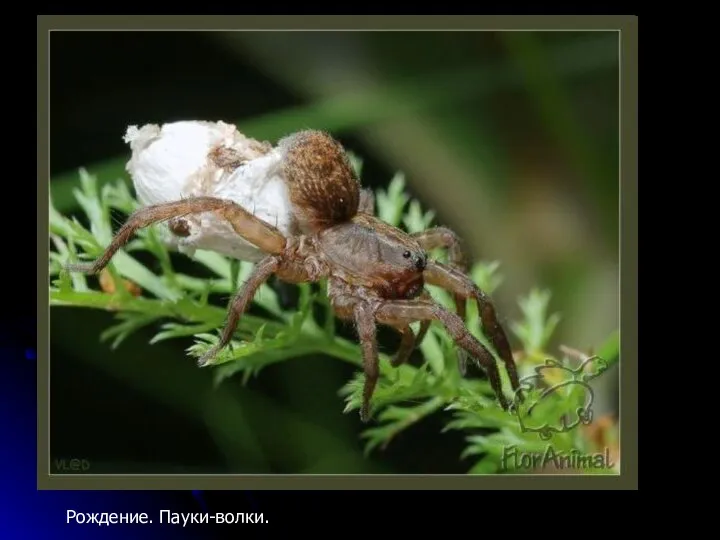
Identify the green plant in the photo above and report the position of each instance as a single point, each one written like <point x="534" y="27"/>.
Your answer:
<point x="179" y="304"/>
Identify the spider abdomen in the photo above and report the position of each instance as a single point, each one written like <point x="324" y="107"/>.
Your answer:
<point x="323" y="188"/>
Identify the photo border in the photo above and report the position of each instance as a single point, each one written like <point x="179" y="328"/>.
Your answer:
<point x="625" y="25"/>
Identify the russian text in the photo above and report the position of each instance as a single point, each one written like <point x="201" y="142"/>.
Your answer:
<point x="106" y="518"/>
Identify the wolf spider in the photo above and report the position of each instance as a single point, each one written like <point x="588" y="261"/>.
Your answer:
<point x="375" y="273"/>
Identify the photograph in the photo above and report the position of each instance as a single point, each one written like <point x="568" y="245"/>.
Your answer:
<point x="334" y="252"/>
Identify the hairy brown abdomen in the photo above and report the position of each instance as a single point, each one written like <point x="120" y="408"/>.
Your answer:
<point x="322" y="185"/>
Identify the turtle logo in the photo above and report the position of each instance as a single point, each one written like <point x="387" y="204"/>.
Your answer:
<point x="557" y="392"/>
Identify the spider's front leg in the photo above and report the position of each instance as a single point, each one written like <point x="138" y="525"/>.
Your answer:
<point x="462" y="286"/>
<point x="403" y="312"/>
<point x="254" y="230"/>
<point x="444" y="238"/>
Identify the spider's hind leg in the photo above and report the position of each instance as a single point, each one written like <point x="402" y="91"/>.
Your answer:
<point x="263" y="235"/>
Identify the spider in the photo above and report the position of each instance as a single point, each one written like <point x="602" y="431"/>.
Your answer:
<point x="376" y="273"/>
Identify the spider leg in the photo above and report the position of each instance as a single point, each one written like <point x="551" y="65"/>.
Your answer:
<point x="407" y="342"/>
<point x="254" y="230"/>
<point x="360" y="312"/>
<point x="368" y="341"/>
<point x="262" y="271"/>
<point x="458" y="283"/>
<point x="400" y="312"/>
<point x="444" y="238"/>
<point x="367" y="202"/>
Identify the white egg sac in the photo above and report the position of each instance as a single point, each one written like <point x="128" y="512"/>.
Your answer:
<point x="172" y="162"/>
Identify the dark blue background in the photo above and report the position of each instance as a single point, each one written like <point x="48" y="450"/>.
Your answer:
<point x="26" y="512"/>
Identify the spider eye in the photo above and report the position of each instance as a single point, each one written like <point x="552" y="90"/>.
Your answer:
<point x="407" y="254"/>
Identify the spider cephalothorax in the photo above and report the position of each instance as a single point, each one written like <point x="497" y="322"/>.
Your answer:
<point x="376" y="273"/>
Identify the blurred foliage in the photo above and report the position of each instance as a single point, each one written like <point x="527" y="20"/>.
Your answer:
<point x="404" y="396"/>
